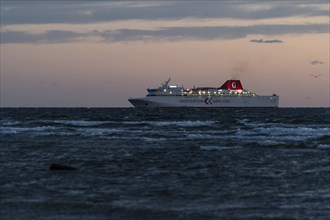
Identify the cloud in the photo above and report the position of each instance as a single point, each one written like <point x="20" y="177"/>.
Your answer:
<point x="44" y="12"/>
<point x="32" y="14"/>
<point x="54" y="36"/>
<point x="315" y="62"/>
<point x="266" y="41"/>
<point x="168" y="33"/>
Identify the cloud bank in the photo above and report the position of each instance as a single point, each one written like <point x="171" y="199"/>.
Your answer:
<point x="170" y="33"/>
<point x="266" y="41"/>
<point x="93" y="13"/>
<point x="38" y="12"/>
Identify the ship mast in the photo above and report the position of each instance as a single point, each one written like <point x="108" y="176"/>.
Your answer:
<point x="165" y="84"/>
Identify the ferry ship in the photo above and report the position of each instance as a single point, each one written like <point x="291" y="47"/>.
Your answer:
<point x="230" y="94"/>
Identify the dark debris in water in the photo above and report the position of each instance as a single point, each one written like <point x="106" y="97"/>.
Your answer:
<point x="58" y="167"/>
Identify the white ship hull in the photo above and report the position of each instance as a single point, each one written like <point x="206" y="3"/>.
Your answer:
<point x="206" y="101"/>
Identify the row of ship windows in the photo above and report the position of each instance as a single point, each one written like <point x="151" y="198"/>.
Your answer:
<point x="204" y="94"/>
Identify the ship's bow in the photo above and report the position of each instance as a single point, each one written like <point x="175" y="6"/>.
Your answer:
<point x="138" y="102"/>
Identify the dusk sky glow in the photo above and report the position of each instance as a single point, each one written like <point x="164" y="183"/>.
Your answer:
<point x="100" y="53"/>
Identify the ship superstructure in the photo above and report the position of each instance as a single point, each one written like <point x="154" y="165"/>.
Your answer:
<point x="230" y="94"/>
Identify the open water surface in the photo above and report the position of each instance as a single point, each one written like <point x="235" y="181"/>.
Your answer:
<point x="187" y="163"/>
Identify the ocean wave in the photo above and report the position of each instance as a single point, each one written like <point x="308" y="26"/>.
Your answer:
<point x="149" y="139"/>
<point x="183" y="123"/>
<point x="323" y="146"/>
<point x="171" y="123"/>
<point x="201" y="136"/>
<point x="301" y="131"/>
<point x="99" y="131"/>
<point x="15" y="130"/>
<point x="283" y="133"/>
<point x="81" y="123"/>
<point x="135" y="122"/>
<point x="8" y="123"/>
<point x="214" y="147"/>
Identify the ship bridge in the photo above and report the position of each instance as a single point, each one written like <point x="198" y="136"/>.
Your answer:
<point x="166" y="89"/>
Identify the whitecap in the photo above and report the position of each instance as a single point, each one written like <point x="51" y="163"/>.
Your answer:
<point x="81" y="123"/>
<point x="214" y="147"/>
<point x="135" y="122"/>
<point x="14" y="130"/>
<point x="9" y="123"/>
<point x="201" y="136"/>
<point x="148" y="139"/>
<point x="281" y="134"/>
<point x="99" y="131"/>
<point x="183" y="123"/>
<point x="323" y="146"/>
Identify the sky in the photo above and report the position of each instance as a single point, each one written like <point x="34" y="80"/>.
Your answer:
<point x="100" y="53"/>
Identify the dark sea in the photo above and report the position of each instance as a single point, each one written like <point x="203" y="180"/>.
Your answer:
<point x="183" y="163"/>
